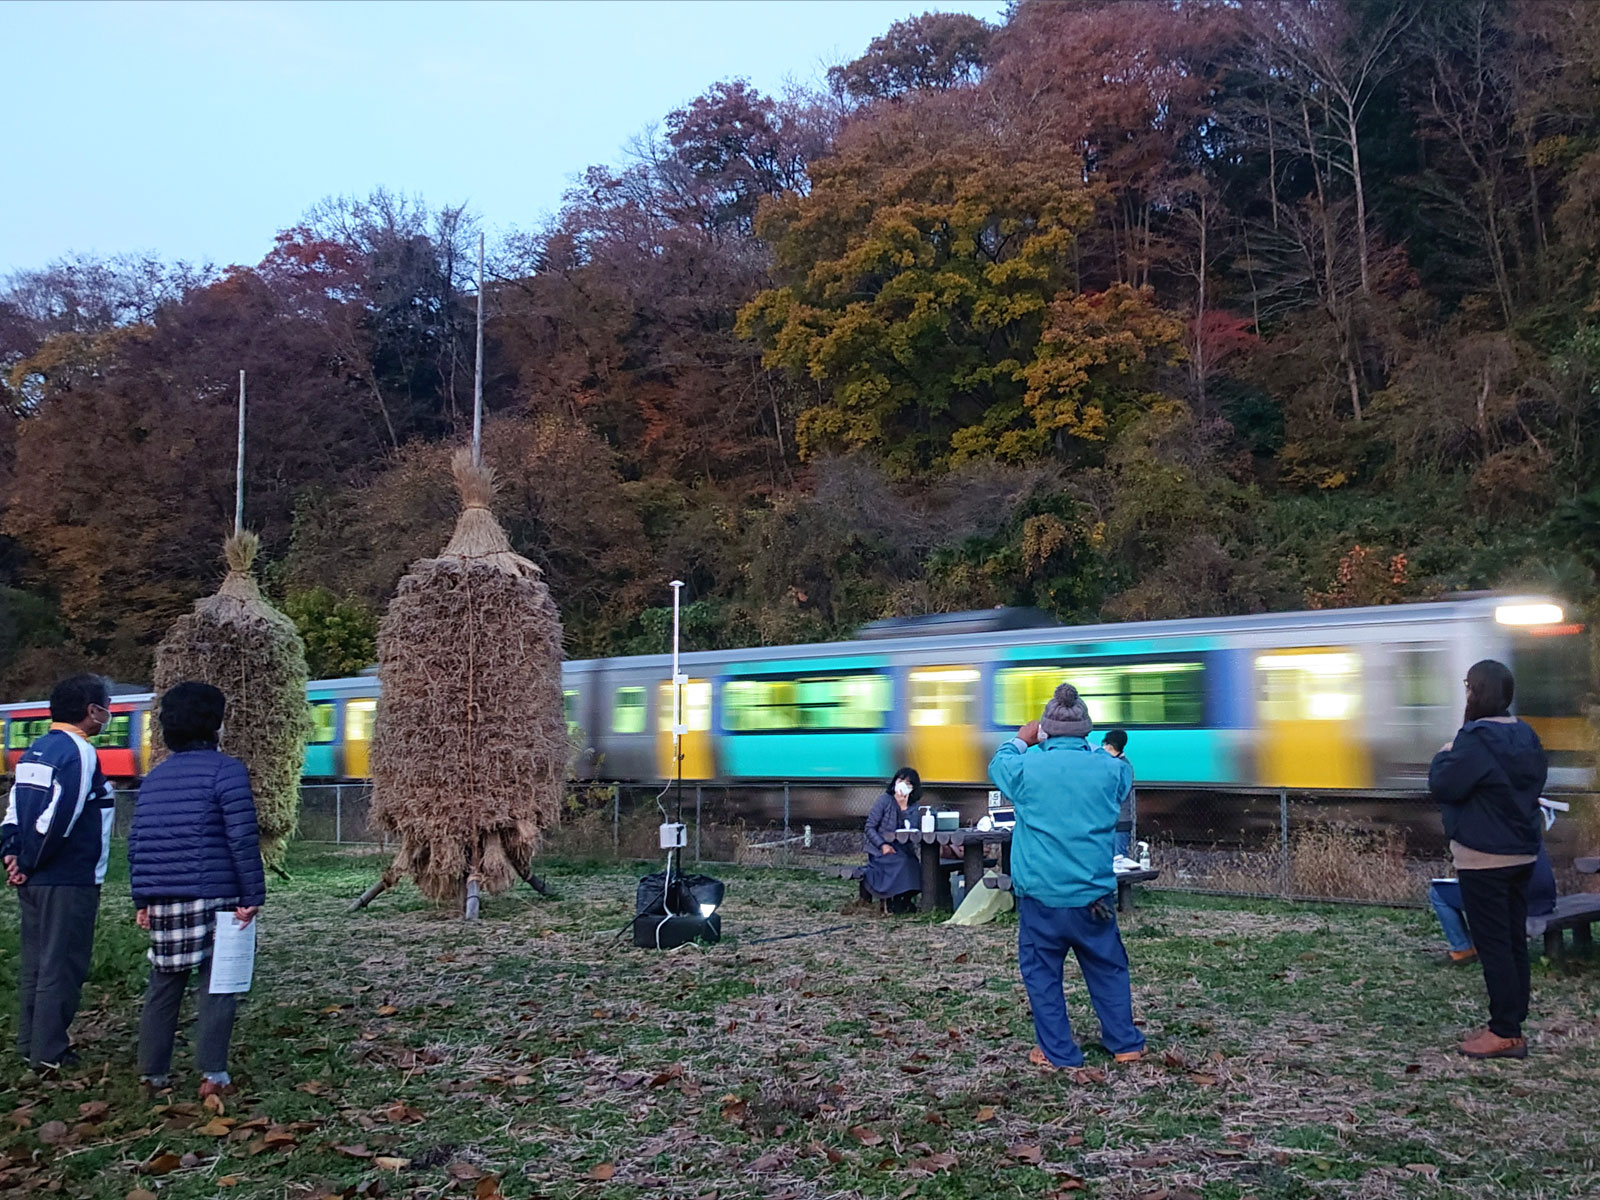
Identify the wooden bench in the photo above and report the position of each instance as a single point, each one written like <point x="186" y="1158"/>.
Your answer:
<point x="1125" y="885"/>
<point x="1577" y="912"/>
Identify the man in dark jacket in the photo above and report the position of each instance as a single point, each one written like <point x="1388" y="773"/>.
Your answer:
<point x="1487" y="781"/>
<point x="55" y="842"/>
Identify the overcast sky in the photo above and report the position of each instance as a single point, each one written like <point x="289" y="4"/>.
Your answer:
<point x="197" y="130"/>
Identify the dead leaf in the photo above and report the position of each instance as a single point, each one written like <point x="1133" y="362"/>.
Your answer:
<point x="94" y="1110"/>
<point x="462" y="1171"/>
<point x="962" y="957"/>
<point x="735" y="1111"/>
<point x="1069" y="1183"/>
<point x="162" y="1164"/>
<point x="141" y="1194"/>
<point x="312" y="1087"/>
<point x="487" y="1188"/>
<point x="389" y="1163"/>
<point x="1175" y="1061"/>
<point x="357" y="1151"/>
<point x="54" y="1133"/>
<point x="1082" y="1075"/>
<point x="1431" y="1170"/>
<point x="1203" y="1080"/>
<point x="667" y="1076"/>
<point x="1239" y="1139"/>
<point x="1149" y="1161"/>
<point x="1075" y="1139"/>
<point x="1025" y="1152"/>
<point x="769" y="1161"/>
<point x="602" y="1172"/>
<point x="218" y="1127"/>
<point x="228" y="1181"/>
<point x="934" y="1163"/>
<point x="985" y="1113"/>
<point x="213" y="1103"/>
<point x="388" y="1010"/>
<point x="866" y="1136"/>
<point x="1413" y="1068"/>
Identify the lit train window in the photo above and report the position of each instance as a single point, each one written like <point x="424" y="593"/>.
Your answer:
<point x="569" y="709"/>
<point x="359" y="718"/>
<point x="944" y="696"/>
<point x="324" y="722"/>
<point x="1115" y="694"/>
<point x="1309" y="685"/>
<point x="696" y="706"/>
<point x="627" y="714"/>
<point x="115" y="736"/>
<point x="832" y="703"/>
<point x="23" y="733"/>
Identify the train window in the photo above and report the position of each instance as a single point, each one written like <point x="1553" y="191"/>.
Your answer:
<point x="115" y="736"/>
<point x="1552" y="674"/>
<point x="324" y="722"/>
<point x="1115" y="694"/>
<point x="1421" y="677"/>
<point x="1309" y="685"/>
<point x="827" y="703"/>
<point x="569" y="709"/>
<point x="24" y="731"/>
<point x="944" y="696"/>
<point x="359" y="718"/>
<point x="696" y="706"/>
<point x="628" y="713"/>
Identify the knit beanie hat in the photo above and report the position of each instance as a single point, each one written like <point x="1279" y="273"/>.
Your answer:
<point x="1065" y="715"/>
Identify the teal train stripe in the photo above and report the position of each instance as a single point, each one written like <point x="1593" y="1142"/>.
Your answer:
<point x="1164" y="647"/>
<point x="803" y="666"/>
<point x="799" y="756"/>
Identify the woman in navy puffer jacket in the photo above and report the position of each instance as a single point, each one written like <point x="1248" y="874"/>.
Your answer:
<point x="194" y="851"/>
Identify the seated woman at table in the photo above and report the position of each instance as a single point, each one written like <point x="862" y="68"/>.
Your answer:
<point x="894" y="871"/>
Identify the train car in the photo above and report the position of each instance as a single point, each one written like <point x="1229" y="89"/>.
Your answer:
<point x="123" y="746"/>
<point x="1337" y="700"/>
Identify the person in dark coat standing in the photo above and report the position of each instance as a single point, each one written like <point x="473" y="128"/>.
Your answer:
<point x="894" y="871"/>
<point x="55" y="842"/>
<point x="1487" y="781"/>
<point x="194" y="851"/>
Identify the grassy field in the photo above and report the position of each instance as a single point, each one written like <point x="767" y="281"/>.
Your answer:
<point x="1297" y="1052"/>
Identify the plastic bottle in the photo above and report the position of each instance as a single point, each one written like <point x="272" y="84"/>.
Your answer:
<point x="927" y="820"/>
<point x="1144" y="856"/>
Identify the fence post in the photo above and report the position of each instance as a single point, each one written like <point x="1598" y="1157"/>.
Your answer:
<point x="787" y="852"/>
<point x="697" y="823"/>
<point x="616" y="819"/>
<point x="1283" y="841"/>
<point x="338" y="813"/>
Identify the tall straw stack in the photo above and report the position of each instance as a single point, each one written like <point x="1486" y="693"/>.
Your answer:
<point x="471" y="743"/>
<point x="238" y="642"/>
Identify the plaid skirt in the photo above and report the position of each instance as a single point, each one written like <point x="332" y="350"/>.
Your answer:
<point x="181" y="931"/>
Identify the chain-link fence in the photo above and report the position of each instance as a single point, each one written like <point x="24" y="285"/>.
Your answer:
<point x="1372" y="846"/>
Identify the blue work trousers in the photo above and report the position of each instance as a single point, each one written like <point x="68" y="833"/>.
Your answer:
<point x="1044" y="935"/>
<point x="1452" y="913"/>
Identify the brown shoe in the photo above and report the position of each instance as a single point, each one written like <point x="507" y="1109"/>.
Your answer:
<point x="1462" y="957"/>
<point x="1128" y="1056"/>
<point x="207" y="1088"/>
<point x="1037" y="1057"/>
<point x="1488" y="1044"/>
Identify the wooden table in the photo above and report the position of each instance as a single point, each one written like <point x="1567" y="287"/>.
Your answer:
<point x="971" y="842"/>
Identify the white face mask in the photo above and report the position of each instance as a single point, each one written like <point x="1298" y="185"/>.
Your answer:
<point x="903" y="790"/>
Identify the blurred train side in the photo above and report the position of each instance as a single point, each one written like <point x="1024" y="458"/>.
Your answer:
<point x="1342" y="700"/>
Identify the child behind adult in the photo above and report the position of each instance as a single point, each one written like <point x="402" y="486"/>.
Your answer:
<point x="194" y="851"/>
<point x="1115" y="743"/>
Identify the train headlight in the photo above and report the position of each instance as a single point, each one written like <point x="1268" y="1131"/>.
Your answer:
<point x="1529" y="614"/>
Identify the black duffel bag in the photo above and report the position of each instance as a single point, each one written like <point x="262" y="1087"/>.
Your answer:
<point x="670" y="914"/>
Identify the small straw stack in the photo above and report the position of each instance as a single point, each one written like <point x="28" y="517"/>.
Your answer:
<point x="239" y="643"/>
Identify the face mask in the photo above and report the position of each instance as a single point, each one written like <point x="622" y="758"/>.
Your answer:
<point x="902" y="789"/>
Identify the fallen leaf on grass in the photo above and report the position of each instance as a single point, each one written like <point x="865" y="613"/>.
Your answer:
<point x="218" y="1127"/>
<point x="1081" y="1075"/>
<point x="986" y="1113"/>
<point x="357" y="1151"/>
<point x="1148" y="1161"/>
<point x="389" y="1163"/>
<point x="602" y="1172"/>
<point x="312" y="1087"/>
<point x="1026" y="1153"/>
<point x="463" y="1171"/>
<point x="94" y="1110"/>
<point x="770" y="1161"/>
<point x="962" y="957"/>
<point x="387" y="1010"/>
<point x="1428" y="1169"/>
<point x="162" y="1164"/>
<point x="667" y="1076"/>
<point x="487" y="1188"/>
<point x="735" y="1111"/>
<point x="1239" y="1139"/>
<point x="1203" y="1080"/>
<point x="228" y="1181"/>
<point x="213" y="1103"/>
<point x="141" y="1194"/>
<point x="934" y="1163"/>
<point x="54" y="1133"/>
<point x="1413" y="1068"/>
<point x="1069" y="1183"/>
<point x="866" y="1136"/>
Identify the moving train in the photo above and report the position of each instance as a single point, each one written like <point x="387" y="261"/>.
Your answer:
<point x="1338" y="700"/>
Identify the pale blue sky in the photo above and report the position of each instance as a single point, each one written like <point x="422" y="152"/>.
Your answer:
<point x="197" y="130"/>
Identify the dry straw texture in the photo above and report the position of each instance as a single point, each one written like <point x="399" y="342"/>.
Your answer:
<point x="241" y="644"/>
<point x="471" y="745"/>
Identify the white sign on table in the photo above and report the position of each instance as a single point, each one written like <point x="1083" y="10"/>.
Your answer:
<point x="233" y="954"/>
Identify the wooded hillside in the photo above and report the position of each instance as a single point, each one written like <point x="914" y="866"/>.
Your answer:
<point x="1125" y="310"/>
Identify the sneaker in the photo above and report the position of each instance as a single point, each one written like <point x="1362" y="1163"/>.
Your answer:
<point x="1128" y="1056"/>
<point x="1461" y="958"/>
<point x="211" y="1088"/>
<point x="1486" y="1043"/>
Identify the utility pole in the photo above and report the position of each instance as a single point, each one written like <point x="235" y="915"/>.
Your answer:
<point x="477" y="376"/>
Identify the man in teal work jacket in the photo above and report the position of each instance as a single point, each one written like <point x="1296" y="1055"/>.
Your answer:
<point x="1066" y="796"/>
